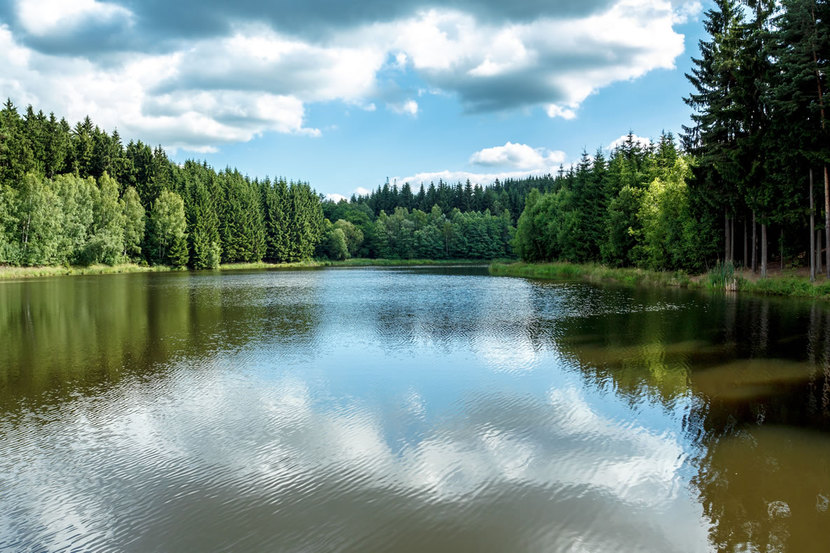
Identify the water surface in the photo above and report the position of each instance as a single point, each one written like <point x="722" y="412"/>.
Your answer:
<point x="413" y="409"/>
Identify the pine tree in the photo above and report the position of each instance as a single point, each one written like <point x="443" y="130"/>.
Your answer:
<point x="203" y="218"/>
<point x="718" y="112"/>
<point x="276" y="220"/>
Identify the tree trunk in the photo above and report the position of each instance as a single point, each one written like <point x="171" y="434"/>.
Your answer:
<point x="818" y="252"/>
<point x="732" y="240"/>
<point x="754" y="244"/>
<point x="812" y="232"/>
<point x="827" y="221"/>
<point x="763" y="250"/>
<point x="725" y="237"/>
<point x="746" y="250"/>
<point x="781" y="248"/>
<point x="820" y="94"/>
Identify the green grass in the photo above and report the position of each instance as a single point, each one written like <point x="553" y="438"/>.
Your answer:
<point x="265" y="265"/>
<point x="365" y="262"/>
<point x="722" y="276"/>
<point x="717" y="279"/>
<point x="9" y="272"/>
<point x="593" y="272"/>
<point x="787" y="286"/>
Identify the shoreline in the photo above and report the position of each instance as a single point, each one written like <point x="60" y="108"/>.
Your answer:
<point x="8" y="272"/>
<point x="786" y="284"/>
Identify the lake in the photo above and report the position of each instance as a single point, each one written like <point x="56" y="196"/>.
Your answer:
<point x="408" y="409"/>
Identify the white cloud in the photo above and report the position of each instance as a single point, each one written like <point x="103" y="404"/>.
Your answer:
<point x="336" y="197"/>
<point x="686" y="11"/>
<point x="43" y="17"/>
<point x="249" y="78"/>
<point x="463" y="455"/>
<point x="122" y="97"/>
<point x="558" y="111"/>
<point x="518" y="156"/>
<point x="516" y="161"/>
<point x="408" y="107"/>
<point x="360" y="191"/>
<point x="482" y="179"/>
<point x="644" y="142"/>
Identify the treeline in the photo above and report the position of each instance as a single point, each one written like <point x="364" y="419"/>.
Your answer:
<point x="745" y="180"/>
<point x="76" y="195"/>
<point x="634" y="208"/>
<point x="759" y="130"/>
<point x="415" y="234"/>
<point x="501" y="195"/>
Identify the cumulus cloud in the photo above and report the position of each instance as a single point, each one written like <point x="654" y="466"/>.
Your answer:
<point x="42" y="17"/>
<point x="520" y="156"/>
<point x="198" y="75"/>
<point x="482" y="179"/>
<point x="408" y="107"/>
<point x="644" y="142"/>
<point x="511" y="161"/>
<point x="125" y="97"/>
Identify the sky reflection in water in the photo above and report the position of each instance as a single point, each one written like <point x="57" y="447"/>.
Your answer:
<point x="407" y="410"/>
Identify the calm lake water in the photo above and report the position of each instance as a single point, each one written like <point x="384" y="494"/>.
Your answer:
<point x="412" y="409"/>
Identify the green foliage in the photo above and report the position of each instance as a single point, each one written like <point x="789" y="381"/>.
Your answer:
<point x="722" y="276"/>
<point x="106" y="243"/>
<point x="758" y="128"/>
<point x="669" y="239"/>
<point x="334" y="244"/>
<point x="276" y="220"/>
<point x="352" y="235"/>
<point x="167" y="230"/>
<point x="304" y="227"/>
<point x="134" y="223"/>
<point x="40" y="221"/>
<point x="9" y="247"/>
<point x="593" y="273"/>
<point x="203" y="219"/>
<point x="418" y="235"/>
<point x="77" y="199"/>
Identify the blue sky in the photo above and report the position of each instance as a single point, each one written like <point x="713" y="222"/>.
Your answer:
<point x="346" y="94"/>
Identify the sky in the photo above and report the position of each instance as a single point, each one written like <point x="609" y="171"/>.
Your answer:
<point x="344" y="95"/>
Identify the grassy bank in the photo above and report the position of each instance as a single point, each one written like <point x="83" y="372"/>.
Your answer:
<point x="592" y="272"/>
<point x="365" y="262"/>
<point x="781" y="284"/>
<point x="795" y="286"/>
<point x="265" y="265"/>
<point x="9" y="272"/>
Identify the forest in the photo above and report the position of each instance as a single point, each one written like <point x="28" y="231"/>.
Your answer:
<point x="78" y="196"/>
<point x="741" y="186"/>
<point x="748" y="178"/>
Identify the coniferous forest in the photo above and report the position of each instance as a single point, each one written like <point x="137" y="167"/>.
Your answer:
<point x="751" y="179"/>
<point x="77" y="195"/>
<point x="746" y="183"/>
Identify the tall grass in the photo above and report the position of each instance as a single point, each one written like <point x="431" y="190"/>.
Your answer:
<point x="8" y="272"/>
<point x="366" y="262"/>
<point x="722" y="277"/>
<point x="787" y="286"/>
<point x="266" y="265"/>
<point x="592" y="272"/>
